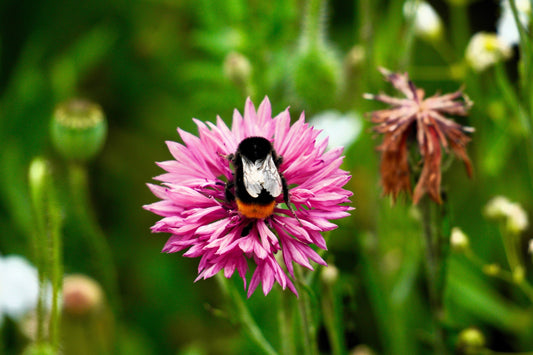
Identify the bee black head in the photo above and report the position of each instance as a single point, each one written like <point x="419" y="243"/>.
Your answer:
<point x="255" y="148"/>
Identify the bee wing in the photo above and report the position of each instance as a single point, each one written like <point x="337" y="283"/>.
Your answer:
<point x="263" y="174"/>
<point x="253" y="178"/>
<point x="272" y="179"/>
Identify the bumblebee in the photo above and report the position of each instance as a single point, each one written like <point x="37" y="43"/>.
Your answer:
<point x="257" y="181"/>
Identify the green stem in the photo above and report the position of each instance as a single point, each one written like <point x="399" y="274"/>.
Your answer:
<point x="407" y="47"/>
<point x="286" y="324"/>
<point x="79" y="185"/>
<point x="56" y="276"/>
<point x="509" y="245"/>
<point x="331" y="321"/>
<point x="460" y="28"/>
<point x="445" y="50"/>
<point x="503" y="275"/>
<point x="433" y="267"/>
<point x="47" y="246"/>
<point x="41" y="312"/>
<point x="244" y="317"/>
<point x="314" y="22"/>
<point x="526" y="55"/>
<point x="307" y="325"/>
<point x="525" y="45"/>
<point x="511" y="98"/>
<point x="519" y="111"/>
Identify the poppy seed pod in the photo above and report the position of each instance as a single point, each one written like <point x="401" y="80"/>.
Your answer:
<point x="316" y="77"/>
<point x="78" y="129"/>
<point x="81" y="295"/>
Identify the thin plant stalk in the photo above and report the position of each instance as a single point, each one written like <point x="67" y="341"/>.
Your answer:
<point x="520" y="112"/>
<point x="503" y="275"/>
<point x="409" y="38"/>
<point x="244" y="316"/>
<point x="47" y="247"/>
<point x="307" y="325"/>
<point x="434" y="270"/>
<point x="313" y="22"/>
<point x="331" y="319"/>
<point x="56" y="272"/>
<point x="525" y="46"/>
<point x="79" y="185"/>
<point x="460" y="27"/>
<point x="286" y="324"/>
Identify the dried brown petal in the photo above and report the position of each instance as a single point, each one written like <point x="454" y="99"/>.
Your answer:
<point x="434" y="132"/>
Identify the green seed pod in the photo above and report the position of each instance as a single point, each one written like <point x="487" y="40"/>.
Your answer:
<point x="316" y="77"/>
<point x="78" y="129"/>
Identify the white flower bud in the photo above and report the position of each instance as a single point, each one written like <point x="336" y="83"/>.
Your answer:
<point x="514" y="215"/>
<point x="485" y="50"/>
<point x="329" y="275"/>
<point x="428" y="24"/>
<point x="458" y="240"/>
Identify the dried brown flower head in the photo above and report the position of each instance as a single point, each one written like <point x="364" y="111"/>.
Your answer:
<point x="425" y="119"/>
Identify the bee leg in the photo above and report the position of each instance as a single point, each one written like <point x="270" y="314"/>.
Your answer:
<point x="278" y="161"/>
<point x="230" y="197"/>
<point x="246" y="230"/>
<point x="286" y="198"/>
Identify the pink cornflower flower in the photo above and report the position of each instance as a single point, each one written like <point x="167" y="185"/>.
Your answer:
<point x="200" y="217"/>
<point x="423" y="119"/>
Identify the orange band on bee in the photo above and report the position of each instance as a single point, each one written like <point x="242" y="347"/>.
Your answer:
<point x="252" y="210"/>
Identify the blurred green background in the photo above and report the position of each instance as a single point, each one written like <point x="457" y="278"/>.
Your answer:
<point x="154" y="64"/>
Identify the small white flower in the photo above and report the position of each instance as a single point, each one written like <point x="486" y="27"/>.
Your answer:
<point x="458" y="239"/>
<point x="486" y="49"/>
<point x="342" y="129"/>
<point x="506" y="28"/>
<point x="517" y="220"/>
<point x="19" y="287"/>
<point x="515" y="216"/>
<point x="428" y="24"/>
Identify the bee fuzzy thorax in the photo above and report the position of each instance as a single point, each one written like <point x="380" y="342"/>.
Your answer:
<point x="257" y="181"/>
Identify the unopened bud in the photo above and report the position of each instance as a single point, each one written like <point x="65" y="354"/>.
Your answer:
<point x="329" y="275"/>
<point x="355" y="57"/>
<point x="316" y="77"/>
<point x="470" y="341"/>
<point x="519" y="274"/>
<point x="491" y="269"/>
<point x="362" y="350"/>
<point x="38" y="178"/>
<point x="78" y="129"/>
<point x="458" y="240"/>
<point x="516" y="219"/>
<point x="237" y="68"/>
<point x="81" y="295"/>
